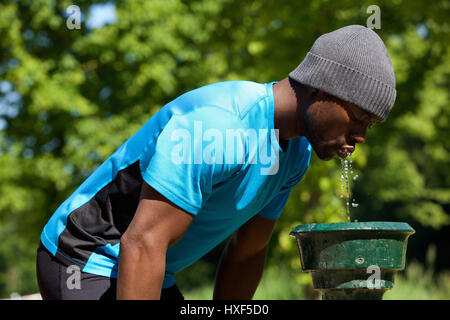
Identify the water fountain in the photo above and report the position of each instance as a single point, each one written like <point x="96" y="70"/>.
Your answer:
<point x="352" y="260"/>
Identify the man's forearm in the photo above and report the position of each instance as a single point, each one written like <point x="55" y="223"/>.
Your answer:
<point x="238" y="277"/>
<point x="141" y="273"/>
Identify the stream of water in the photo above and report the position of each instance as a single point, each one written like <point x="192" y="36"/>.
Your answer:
<point x="347" y="167"/>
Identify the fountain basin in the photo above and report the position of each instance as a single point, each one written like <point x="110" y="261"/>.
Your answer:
<point x="354" y="260"/>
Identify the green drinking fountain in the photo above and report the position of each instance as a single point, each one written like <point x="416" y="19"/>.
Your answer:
<point x="352" y="260"/>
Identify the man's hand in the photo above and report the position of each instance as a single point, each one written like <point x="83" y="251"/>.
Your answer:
<point x="157" y="225"/>
<point x="242" y="263"/>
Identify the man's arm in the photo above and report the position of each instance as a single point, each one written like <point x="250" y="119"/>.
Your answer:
<point x="157" y="225"/>
<point x="242" y="263"/>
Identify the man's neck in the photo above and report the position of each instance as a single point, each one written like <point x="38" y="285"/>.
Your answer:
<point x="287" y="118"/>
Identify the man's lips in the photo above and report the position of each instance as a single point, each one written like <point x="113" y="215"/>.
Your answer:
<point x="341" y="154"/>
<point x="346" y="150"/>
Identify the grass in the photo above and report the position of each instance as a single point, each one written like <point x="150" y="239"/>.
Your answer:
<point x="273" y="286"/>
<point x="419" y="283"/>
<point x="416" y="283"/>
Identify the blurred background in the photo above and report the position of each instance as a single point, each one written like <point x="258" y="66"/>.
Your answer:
<point x="70" y="97"/>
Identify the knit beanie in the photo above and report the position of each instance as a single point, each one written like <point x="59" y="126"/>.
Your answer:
<point x="351" y="63"/>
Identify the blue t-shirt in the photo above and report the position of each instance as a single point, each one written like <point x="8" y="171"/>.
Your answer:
<point x="212" y="151"/>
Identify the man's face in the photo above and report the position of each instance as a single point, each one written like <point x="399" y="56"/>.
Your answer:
<point x="333" y="126"/>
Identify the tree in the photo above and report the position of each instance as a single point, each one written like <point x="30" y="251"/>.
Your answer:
<point x="69" y="98"/>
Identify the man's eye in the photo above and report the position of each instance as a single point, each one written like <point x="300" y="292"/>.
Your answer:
<point x="365" y="121"/>
<point x="360" y="122"/>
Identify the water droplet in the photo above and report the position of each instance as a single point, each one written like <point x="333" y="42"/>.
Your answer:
<point x="355" y="177"/>
<point x="354" y="205"/>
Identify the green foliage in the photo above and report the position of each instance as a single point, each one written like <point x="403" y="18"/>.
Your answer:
<point x="276" y="284"/>
<point x="280" y="282"/>
<point x="415" y="283"/>
<point x="419" y="282"/>
<point x="82" y="93"/>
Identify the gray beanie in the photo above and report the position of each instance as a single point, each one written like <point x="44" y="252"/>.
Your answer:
<point x="352" y="64"/>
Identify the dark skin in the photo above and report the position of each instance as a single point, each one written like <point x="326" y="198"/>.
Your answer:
<point x="331" y="125"/>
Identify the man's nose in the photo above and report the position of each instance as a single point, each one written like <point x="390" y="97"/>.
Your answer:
<point x="358" y="139"/>
<point x="354" y="140"/>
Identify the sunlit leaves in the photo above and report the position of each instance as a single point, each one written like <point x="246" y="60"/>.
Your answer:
<point x="82" y="93"/>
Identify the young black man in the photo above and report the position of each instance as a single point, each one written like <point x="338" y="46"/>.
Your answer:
<point x="217" y="161"/>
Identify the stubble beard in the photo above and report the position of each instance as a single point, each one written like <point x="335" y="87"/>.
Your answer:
<point x="312" y="130"/>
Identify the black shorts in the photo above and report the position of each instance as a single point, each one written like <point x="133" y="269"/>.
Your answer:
<point x="55" y="282"/>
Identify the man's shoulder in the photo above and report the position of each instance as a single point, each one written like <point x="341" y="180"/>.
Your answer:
<point x="219" y="106"/>
<point x="233" y="96"/>
<point x="234" y="87"/>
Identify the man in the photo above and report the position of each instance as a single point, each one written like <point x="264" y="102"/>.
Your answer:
<point x="208" y="165"/>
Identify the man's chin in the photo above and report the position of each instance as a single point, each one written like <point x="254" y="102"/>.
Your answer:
<point x="322" y="152"/>
<point x="325" y="157"/>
